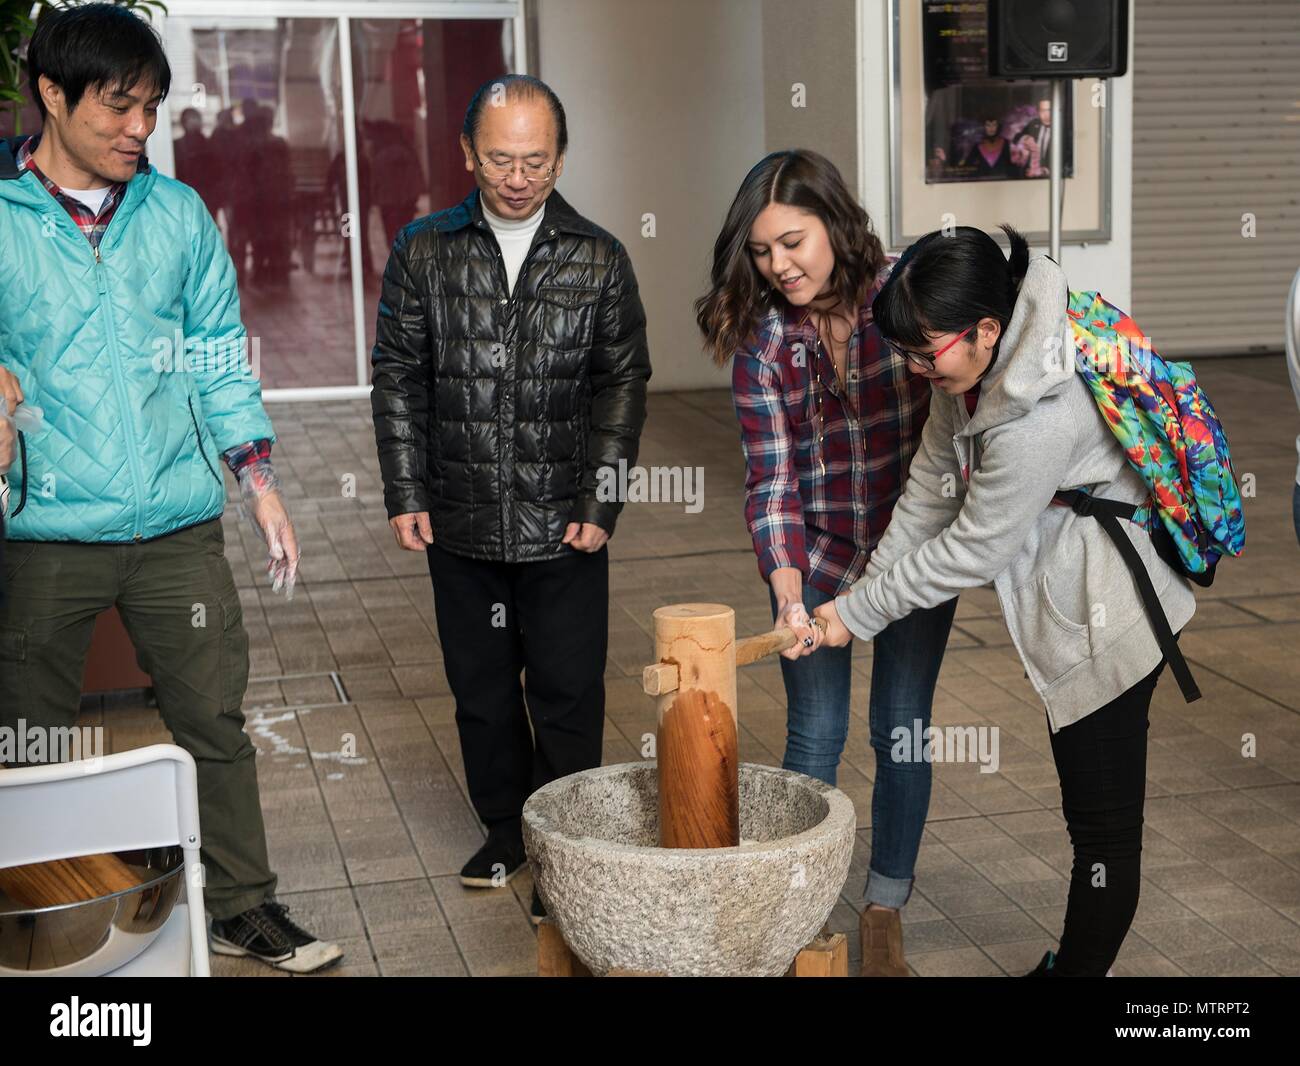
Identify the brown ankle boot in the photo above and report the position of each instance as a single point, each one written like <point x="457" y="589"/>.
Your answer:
<point x="882" y="944"/>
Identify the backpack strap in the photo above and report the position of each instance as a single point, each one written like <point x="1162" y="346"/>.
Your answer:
<point x="1108" y="513"/>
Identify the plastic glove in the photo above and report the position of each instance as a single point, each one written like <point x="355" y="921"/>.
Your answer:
<point x="795" y="617"/>
<point x="262" y="504"/>
<point x="8" y="438"/>
<point x="28" y="419"/>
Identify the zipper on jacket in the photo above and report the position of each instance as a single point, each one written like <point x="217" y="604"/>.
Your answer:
<point x="511" y="303"/>
<point x="115" y="357"/>
<point x="198" y="433"/>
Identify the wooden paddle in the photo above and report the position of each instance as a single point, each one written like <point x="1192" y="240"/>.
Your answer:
<point x="61" y="881"/>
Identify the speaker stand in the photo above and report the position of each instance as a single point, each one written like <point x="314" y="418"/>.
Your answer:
<point x="1056" y="177"/>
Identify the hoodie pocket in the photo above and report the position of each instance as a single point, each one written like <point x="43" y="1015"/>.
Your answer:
<point x="1110" y="590"/>
<point x="1052" y="643"/>
<point x="1055" y="612"/>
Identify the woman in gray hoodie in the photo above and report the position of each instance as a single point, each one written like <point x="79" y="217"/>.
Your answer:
<point x="1011" y="424"/>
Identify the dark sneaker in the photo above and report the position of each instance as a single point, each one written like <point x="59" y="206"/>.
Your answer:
<point x="265" y="932"/>
<point x="497" y="861"/>
<point x="537" y="911"/>
<point x="1044" y="967"/>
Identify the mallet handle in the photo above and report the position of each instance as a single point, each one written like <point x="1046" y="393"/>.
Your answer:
<point x="660" y="678"/>
<point x="751" y="649"/>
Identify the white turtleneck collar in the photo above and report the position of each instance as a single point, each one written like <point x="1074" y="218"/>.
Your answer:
<point x="513" y="225"/>
<point x="514" y="238"/>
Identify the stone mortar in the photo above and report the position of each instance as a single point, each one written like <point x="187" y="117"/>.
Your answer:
<point x="621" y="902"/>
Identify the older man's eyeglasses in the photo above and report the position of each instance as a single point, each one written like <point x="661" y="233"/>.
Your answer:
<point x="925" y="360"/>
<point x="497" y="170"/>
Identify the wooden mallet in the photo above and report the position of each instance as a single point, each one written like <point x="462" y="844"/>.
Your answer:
<point x="695" y="683"/>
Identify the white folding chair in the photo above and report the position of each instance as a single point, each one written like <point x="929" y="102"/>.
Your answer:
<point x="143" y="798"/>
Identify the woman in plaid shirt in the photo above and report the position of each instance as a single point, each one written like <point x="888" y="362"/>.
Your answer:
<point x="829" y="421"/>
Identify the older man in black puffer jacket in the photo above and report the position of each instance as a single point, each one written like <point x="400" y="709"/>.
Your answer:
<point x="510" y="367"/>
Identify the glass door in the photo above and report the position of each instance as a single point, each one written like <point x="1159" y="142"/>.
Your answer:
<point x="412" y="81"/>
<point x="313" y="140"/>
<point x="256" y="127"/>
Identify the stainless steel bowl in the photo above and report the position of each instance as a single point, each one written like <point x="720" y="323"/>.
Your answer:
<point x="95" y="937"/>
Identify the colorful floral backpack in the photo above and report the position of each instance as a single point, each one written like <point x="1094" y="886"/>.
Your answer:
<point x="1164" y="422"/>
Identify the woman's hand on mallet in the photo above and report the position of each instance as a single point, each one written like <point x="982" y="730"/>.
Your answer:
<point x="837" y="633"/>
<point x="794" y="616"/>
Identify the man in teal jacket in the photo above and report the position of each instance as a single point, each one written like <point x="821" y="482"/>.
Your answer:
<point x="119" y="320"/>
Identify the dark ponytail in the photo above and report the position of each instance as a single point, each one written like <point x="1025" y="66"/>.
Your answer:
<point x="946" y="282"/>
<point x="1018" y="260"/>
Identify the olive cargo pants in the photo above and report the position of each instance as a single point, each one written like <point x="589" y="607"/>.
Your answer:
<point x="178" y="602"/>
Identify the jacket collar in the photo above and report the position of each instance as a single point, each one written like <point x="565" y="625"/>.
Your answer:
<point x="24" y="188"/>
<point x="558" y="216"/>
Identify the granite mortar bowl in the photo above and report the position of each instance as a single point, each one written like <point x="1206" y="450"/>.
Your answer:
<point x="621" y="902"/>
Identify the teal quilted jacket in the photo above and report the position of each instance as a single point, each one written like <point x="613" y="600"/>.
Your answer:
<point x="134" y="354"/>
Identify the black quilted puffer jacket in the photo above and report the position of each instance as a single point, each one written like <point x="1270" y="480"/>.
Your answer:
<point x="495" y="411"/>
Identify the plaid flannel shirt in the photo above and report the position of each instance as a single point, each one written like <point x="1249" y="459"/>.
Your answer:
<point x="824" y="468"/>
<point x="93" y="224"/>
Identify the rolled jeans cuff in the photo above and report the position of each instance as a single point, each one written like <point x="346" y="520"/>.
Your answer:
<point x="888" y="891"/>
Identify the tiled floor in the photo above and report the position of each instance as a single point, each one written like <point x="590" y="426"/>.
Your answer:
<point x="367" y="840"/>
<point x="301" y="332"/>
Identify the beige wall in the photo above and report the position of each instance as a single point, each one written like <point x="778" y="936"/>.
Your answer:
<point x="669" y="104"/>
<point x="820" y="55"/>
<point x="665" y="109"/>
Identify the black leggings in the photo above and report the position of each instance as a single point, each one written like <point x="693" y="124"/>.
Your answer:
<point x="1102" y="761"/>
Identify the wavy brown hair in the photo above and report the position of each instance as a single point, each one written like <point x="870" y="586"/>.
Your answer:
<point x="729" y="313"/>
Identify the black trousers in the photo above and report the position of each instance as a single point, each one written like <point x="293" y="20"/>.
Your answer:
<point x="548" y="620"/>
<point x="1102" y="762"/>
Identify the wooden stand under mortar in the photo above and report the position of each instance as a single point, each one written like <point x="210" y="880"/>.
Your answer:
<point x="694" y="681"/>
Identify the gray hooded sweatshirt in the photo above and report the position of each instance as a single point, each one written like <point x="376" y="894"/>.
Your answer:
<point x="977" y="508"/>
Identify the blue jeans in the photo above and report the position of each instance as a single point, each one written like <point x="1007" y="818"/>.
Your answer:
<point x="905" y="667"/>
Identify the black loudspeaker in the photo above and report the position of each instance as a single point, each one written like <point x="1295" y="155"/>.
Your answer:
<point x="1058" y="38"/>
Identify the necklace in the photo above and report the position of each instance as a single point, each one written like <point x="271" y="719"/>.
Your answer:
<point x="826" y="324"/>
<point x="816" y="386"/>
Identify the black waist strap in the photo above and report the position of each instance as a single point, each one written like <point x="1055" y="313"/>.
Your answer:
<point x="1108" y="513"/>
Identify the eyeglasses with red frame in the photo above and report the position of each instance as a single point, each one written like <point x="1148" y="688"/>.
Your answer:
<point x="926" y="360"/>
